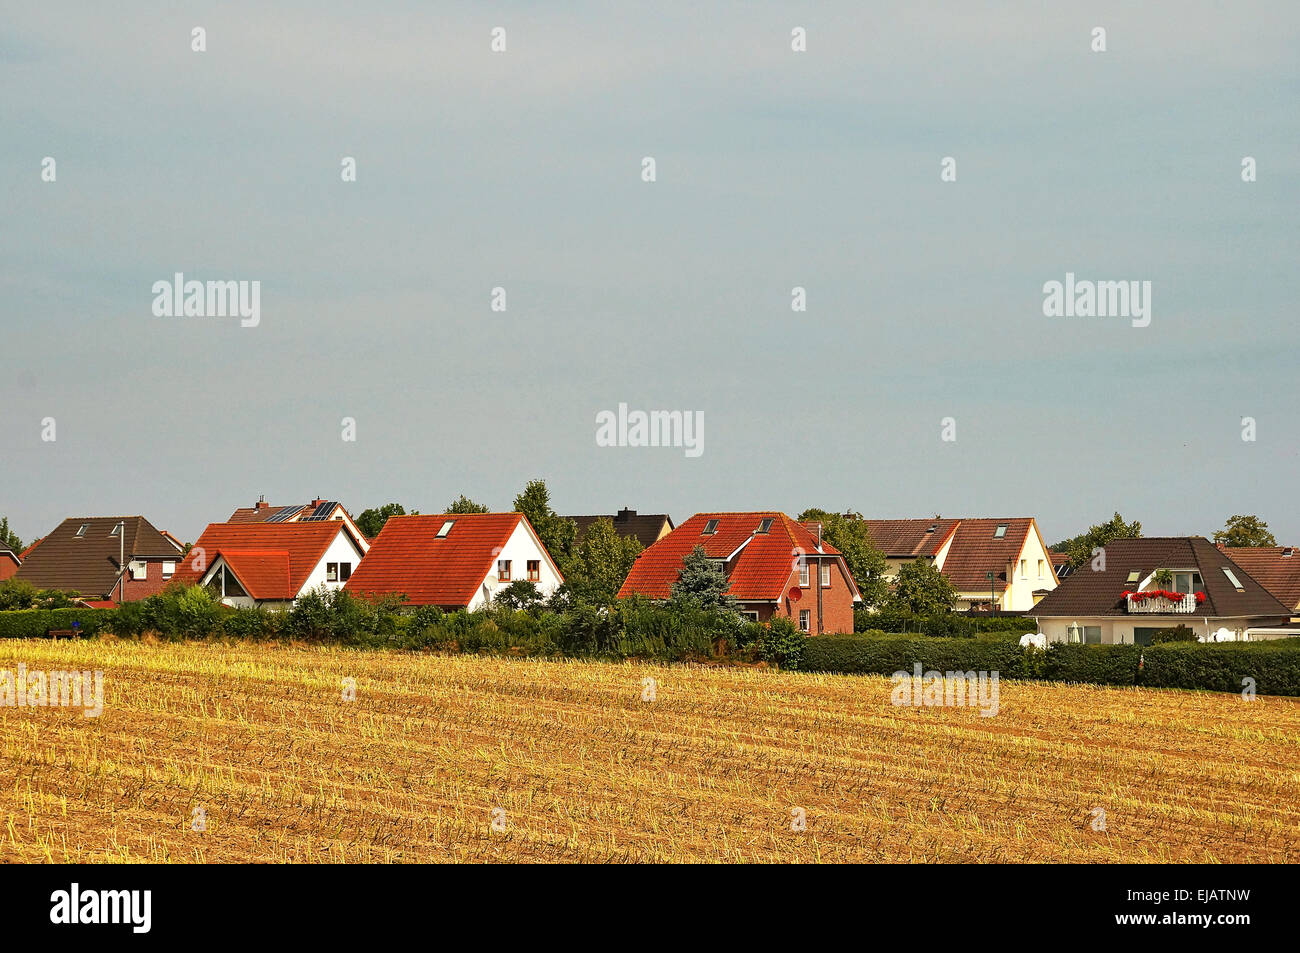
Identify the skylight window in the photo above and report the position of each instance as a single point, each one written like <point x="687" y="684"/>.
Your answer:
<point x="116" y="530"/>
<point x="710" y="528"/>
<point x="1135" y="575"/>
<point x="1000" y="531"/>
<point x="82" y="531"/>
<point x="764" y="526"/>
<point x="1233" y="579"/>
<point x="446" y="528"/>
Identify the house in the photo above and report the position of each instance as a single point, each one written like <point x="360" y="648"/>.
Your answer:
<point x="646" y="527"/>
<point x="1061" y="563"/>
<point x="118" y="558"/>
<point x="271" y="565"/>
<point x="777" y="567"/>
<point x="318" y="510"/>
<point x="998" y="563"/>
<point x="1148" y="584"/>
<point x="1276" y="568"/>
<point x="9" y="562"/>
<point x="454" y="561"/>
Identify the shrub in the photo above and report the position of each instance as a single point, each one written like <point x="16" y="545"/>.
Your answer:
<point x="884" y="656"/>
<point x="1177" y="633"/>
<point x="780" y="641"/>
<point x="37" y="623"/>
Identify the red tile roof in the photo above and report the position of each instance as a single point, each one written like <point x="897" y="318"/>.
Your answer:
<point x="270" y="560"/>
<point x="407" y="557"/>
<point x="910" y="537"/>
<point x="1276" y="568"/>
<point x="761" y="570"/>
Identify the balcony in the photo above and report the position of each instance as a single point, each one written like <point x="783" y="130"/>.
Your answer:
<point x="1159" y="602"/>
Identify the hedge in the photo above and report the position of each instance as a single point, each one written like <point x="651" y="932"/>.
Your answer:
<point x="1221" y="667"/>
<point x="37" y="623"/>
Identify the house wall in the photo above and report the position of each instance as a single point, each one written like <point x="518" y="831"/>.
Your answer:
<point x="1019" y="595"/>
<point x="153" y="583"/>
<point x="7" y="568"/>
<point x="519" y="548"/>
<point x="1118" y="630"/>
<point x="341" y="550"/>
<point x="836" y="613"/>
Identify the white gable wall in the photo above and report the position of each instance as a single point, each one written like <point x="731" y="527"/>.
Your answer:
<point x="342" y="550"/>
<point x="519" y="548"/>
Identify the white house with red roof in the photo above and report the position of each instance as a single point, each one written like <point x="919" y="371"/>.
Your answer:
<point x="271" y="565"/>
<point x="454" y="561"/>
<point x="776" y="567"/>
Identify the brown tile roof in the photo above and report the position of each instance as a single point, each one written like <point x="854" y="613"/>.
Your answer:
<point x="88" y="564"/>
<point x="1276" y="568"/>
<point x="1089" y="593"/>
<point x="977" y="550"/>
<point x="909" y="537"/>
<point x="646" y="527"/>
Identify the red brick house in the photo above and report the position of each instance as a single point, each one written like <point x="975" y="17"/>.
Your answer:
<point x="9" y="562"/>
<point x="776" y="566"/>
<point x="118" y="558"/>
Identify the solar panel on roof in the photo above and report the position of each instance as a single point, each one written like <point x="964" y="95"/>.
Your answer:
<point x="321" y="512"/>
<point x="284" y="514"/>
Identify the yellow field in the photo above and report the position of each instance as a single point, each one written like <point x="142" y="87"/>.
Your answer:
<point x="576" y="767"/>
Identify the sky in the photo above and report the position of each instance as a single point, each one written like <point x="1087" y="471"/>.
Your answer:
<point x="774" y="169"/>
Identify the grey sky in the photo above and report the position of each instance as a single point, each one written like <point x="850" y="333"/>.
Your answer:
<point x="775" y="169"/>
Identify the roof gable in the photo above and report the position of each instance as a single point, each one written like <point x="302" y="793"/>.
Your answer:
<point x="262" y="550"/>
<point x="83" y="553"/>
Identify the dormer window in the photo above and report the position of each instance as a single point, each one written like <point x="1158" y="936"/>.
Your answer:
<point x="764" y="526"/>
<point x="445" y="529"/>
<point x="1001" y="531"/>
<point x="710" y="528"/>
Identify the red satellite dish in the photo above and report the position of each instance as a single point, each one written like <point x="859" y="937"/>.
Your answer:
<point x="795" y="593"/>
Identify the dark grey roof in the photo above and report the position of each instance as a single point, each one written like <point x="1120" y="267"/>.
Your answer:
<point x="89" y="563"/>
<point x="646" y="527"/>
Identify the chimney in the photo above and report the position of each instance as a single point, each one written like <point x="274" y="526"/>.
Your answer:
<point x="624" y="515"/>
<point x="261" y="503"/>
<point x="317" y="502"/>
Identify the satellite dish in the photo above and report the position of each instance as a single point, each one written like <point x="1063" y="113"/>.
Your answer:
<point x="795" y="593"/>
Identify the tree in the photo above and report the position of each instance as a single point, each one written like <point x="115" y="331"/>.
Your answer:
<point x="463" y="504"/>
<point x="921" y="589"/>
<point x="597" y="567"/>
<point x="703" y="582"/>
<point x="1079" y="548"/>
<point x="8" y="537"/>
<point x="556" y="532"/>
<point x="1245" y="531"/>
<point x="370" y="522"/>
<point x="866" y="564"/>
<point x="520" y="594"/>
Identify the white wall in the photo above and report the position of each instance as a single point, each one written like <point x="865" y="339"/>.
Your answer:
<point x="1119" y="630"/>
<point x="341" y="550"/>
<point x="521" y="547"/>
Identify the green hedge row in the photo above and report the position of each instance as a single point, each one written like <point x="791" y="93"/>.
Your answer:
<point x="37" y="623"/>
<point x="1275" y="666"/>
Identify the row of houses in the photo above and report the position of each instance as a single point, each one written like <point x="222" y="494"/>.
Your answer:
<point x="269" y="556"/>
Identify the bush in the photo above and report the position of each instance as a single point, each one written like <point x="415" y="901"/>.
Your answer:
<point x="37" y="623"/>
<point x="1177" y="633"/>
<point x="780" y="641"/>
<point x="884" y="656"/>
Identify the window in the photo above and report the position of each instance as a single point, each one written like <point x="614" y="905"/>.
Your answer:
<point x="803" y="573"/>
<point x="82" y="531"/>
<point x="1187" y="581"/>
<point x="826" y="575"/>
<point x="534" y="570"/>
<point x="710" y="528"/>
<point x="1134" y="576"/>
<point x="445" y="529"/>
<point x="1085" y="634"/>
<point x="751" y="616"/>
<point x="503" y="570"/>
<point x="1233" y="579"/>
<point x="1024" y="569"/>
<point x="331" y="572"/>
<point x="764" y="526"/>
<point x="345" y="572"/>
<point x="1001" y="531"/>
<point x="805" y="620"/>
<point x="169" y="568"/>
<point x="1041" y="574"/>
<point x="139" y="570"/>
<point x="116" y="530"/>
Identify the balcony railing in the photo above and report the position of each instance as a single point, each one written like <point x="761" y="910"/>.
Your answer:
<point x="1161" y="604"/>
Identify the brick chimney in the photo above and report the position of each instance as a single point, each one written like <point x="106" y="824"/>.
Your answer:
<point x="316" y="502"/>
<point x="261" y="503"/>
<point x="624" y="515"/>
